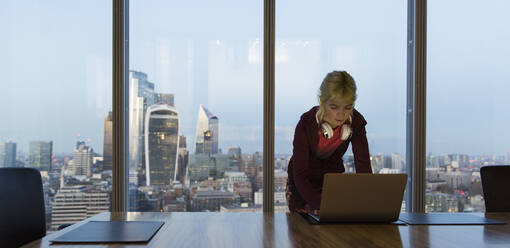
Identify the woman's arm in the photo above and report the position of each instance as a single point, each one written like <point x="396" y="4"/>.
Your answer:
<point x="360" y="150"/>
<point x="301" y="168"/>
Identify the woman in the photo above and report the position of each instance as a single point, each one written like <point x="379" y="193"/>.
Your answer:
<point x="321" y="138"/>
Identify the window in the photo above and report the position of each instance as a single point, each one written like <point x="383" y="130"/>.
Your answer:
<point x="56" y="98"/>
<point x="195" y="106"/>
<point x="467" y="100"/>
<point x="366" y="40"/>
<point x="195" y="97"/>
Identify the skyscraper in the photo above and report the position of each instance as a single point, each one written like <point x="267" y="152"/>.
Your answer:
<point x="182" y="161"/>
<point x="82" y="160"/>
<point x="141" y="95"/>
<point x="161" y="144"/>
<point x="222" y="164"/>
<point x="8" y="154"/>
<point x="207" y="132"/>
<point x="40" y="154"/>
<point x="107" y="146"/>
<point x="199" y="167"/>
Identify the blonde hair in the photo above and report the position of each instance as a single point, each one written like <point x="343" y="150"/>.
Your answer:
<point x="337" y="84"/>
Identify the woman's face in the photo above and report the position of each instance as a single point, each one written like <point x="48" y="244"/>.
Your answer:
<point x="338" y="111"/>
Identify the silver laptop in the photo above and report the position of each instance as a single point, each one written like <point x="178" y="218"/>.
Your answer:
<point x="361" y="197"/>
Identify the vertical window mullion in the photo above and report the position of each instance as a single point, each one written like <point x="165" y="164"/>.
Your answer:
<point x="119" y="105"/>
<point x="416" y="126"/>
<point x="410" y="104"/>
<point x="269" y="121"/>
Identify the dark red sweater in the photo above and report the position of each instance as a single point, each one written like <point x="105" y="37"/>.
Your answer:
<point x="306" y="170"/>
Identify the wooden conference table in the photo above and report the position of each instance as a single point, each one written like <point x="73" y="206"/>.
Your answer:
<point x="291" y="230"/>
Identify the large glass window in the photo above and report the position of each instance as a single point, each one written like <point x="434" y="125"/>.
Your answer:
<point x="467" y="100"/>
<point x="195" y="106"/>
<point x="56" y="100"/>
<point x="195" y="97"/>
<point x="368" y="40"/>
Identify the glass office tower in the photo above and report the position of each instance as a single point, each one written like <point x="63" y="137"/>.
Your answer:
<point x="161" y="144"/>
<point x="141" y="95"/>
<point x="207" y="132"/>
<point x="107" y="142"/>
<point x="8" y="154"/>
<point x="40" y="153"/>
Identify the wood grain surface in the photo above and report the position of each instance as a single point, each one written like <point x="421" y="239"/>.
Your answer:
<point x="291" y="230"/>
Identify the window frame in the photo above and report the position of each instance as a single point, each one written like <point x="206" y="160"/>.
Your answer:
<point x="416" y="103"/>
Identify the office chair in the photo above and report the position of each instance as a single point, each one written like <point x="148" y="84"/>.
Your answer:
<point x="496" y="185"/>
<point x="22" y="217"/>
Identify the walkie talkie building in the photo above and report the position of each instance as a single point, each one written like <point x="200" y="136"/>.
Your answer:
<point x="161" y="144"/>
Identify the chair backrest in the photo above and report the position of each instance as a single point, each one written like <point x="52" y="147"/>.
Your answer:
<point x="496" y="187"/>
<point x="22" y="218"/>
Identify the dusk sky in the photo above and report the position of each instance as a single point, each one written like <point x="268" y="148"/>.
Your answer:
<point x="56" y="67"/>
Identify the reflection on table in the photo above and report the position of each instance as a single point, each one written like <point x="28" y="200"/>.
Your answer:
<point x="291" y="230"/>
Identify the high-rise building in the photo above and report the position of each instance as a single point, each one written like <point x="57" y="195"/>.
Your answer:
<point x="182" y="142"/>
<point x="82" y="160"/>
<point x="141" y="96"/>
<point x="235" y="156"/>
<point x="76" y="203"/>
<point x="182" y="161"/>
<point x="182" y="165"/>
<point x="162" y="98"/>
<point x="199" y="167"/>
<point x="107" y="146"/>
<point x="221" y="165"/>
<point x="40" y="154"/>
<point x="207" y="132"/>
<point x="8" y="154"/>
<point x="161" y="144"/>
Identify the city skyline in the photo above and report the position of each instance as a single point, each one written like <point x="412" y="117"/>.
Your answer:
<point x="146" y="95"/>
<point x="203" y="63"/>
<point x="194" y="117"/>
<point x="230" y="182"/>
